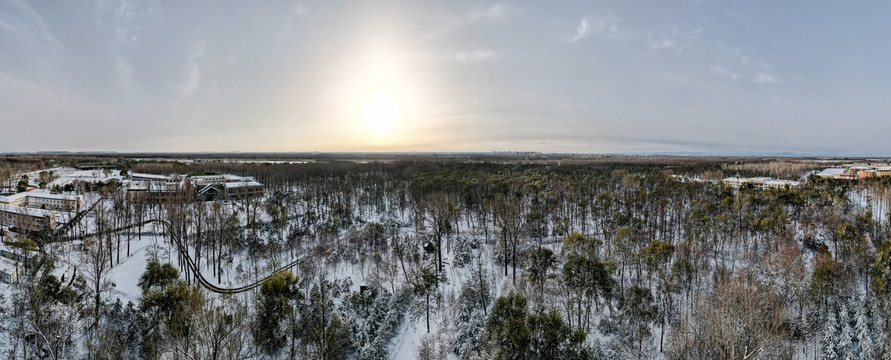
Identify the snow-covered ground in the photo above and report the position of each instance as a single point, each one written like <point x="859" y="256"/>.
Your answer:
<point x="412" y="332"/>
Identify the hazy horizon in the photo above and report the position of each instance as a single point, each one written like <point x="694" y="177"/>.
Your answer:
<point x="609" y="77"/>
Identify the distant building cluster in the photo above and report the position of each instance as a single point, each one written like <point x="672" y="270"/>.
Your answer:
<point x="186" y="188"/>
<point x="37" y="209"/>
<point x="30" y="210"/>
<point x="42" y="199"/>
<point x="762" y="183"/>
<point x="855" y="172"/>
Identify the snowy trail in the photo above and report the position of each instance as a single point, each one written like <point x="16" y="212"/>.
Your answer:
<point x="198" y="276"/>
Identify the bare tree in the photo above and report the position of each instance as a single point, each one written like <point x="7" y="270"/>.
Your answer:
<point x="94" y="262"/>
<point x="439" y="211"/>
<point x="510" y="219"/>
<point x="741" y="319"/>
<point x="221" y="331"/>
<point x="51" y="317"/>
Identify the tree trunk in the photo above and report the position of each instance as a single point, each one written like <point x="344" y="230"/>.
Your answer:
<point x="504" y="240"/>
<point x="439" y="254"/>
<point x="428" y="311"/>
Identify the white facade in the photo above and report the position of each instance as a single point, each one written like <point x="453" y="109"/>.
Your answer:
<point x="199" y="180"/>
<point x="735" y="182"/>
<point x="831" y="173"/>
<point x="44" y="200"/>
<point x="26" y="218"/>
<point x="150" y="177"/>
<point x="761" y="183"/>
<point x="781" y="184"/>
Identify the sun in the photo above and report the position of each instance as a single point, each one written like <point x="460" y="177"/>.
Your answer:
<point x="381" y="113"/>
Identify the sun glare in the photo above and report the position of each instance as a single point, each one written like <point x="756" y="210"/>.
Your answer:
<point x="381" y="113"/>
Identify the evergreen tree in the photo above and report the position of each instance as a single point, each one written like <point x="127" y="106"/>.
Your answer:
<point x="366" y="314"/>
<point x="845" y="346"/>
<point x="539" y="262"/>
<point x="551" y="338"/>
<point x="274" y="305"/>
<point x="606" y="350"/>
<point x="119" y="333"/>
<point x="470" y="322"/>
<point x="471" y="331"/>
<point x="588" y="280"/>
<point x="830" y="336"/>
<point x="883" y="268"/>
<point x="133" y="322"/>
<point x="168" y="304"/>
<point x="864" y="337"/>
<point x="638" y="312"/>
<point x="577" y="244"/>
<point x="878" y="325"/>
<point x="465" y="248"/>
<point x="157" y="275"/>
<point x="324" y="332"/>
<point x="425" y="286"/>
<point x="508" y="334"/>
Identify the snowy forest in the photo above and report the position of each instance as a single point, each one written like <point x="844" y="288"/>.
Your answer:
<point x="424" y="258"/>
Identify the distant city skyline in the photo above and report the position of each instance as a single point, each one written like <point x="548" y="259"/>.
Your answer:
<point x="754" y="77"/>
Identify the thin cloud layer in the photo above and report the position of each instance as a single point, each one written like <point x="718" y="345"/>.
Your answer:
<point x="582" y="31"/>
<point x="475" y="56"/>
<point x="467" y="75"/>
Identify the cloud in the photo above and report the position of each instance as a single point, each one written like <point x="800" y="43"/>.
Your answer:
<point x="582" y="31"/>
<point x="49" y="104"/>
<point x="695" y="33"/>
<point x="723" y="71"/>
<point x="474" y="56"/>
<point x="668" y="76"/>
<point x="10" y="28"/>
<point x="661" y="42"/>
<point x="739" y="65"/>
<point x="664" y="43"/>
<point x="605" y="27"/>
<point x="24" y="21"/>
<point x="746" y="60"/>
<point x="299" y="9"/>
<point x="497" y="12"/>
<point x="124" y="73"/>
<point x="765" y="78"/>
<point x="192" y="79"/>
<point x="190" y="84"/>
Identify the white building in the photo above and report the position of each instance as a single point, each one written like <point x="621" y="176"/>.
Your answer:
<point x="782" y="184"/>
<point x="192" y="188"/>
<point x="26" y="218"/>
<point x="761" y="183"/>
<point x="150" y="178"/>
<point x="9" y="273"/>
<point x="831" y="173"/>
<point x="40" y="199"/>
<point x="736" y="182"/>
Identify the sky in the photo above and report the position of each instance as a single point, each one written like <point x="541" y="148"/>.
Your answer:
<point x="723" y="77"/>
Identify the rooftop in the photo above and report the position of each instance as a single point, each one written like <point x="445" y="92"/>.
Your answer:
<point x="242" y="184"/>
<point x="831" y="172"/>
<point x="36" y="193"/>
<point x="24" y="210"/>
<point x="151" y="176"/>
<point x="782" y="182"/>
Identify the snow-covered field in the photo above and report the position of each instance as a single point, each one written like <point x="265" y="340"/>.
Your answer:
<point x="718" y="240"/>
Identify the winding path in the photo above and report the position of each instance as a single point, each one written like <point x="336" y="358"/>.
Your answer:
<point x="183" y="250"/>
